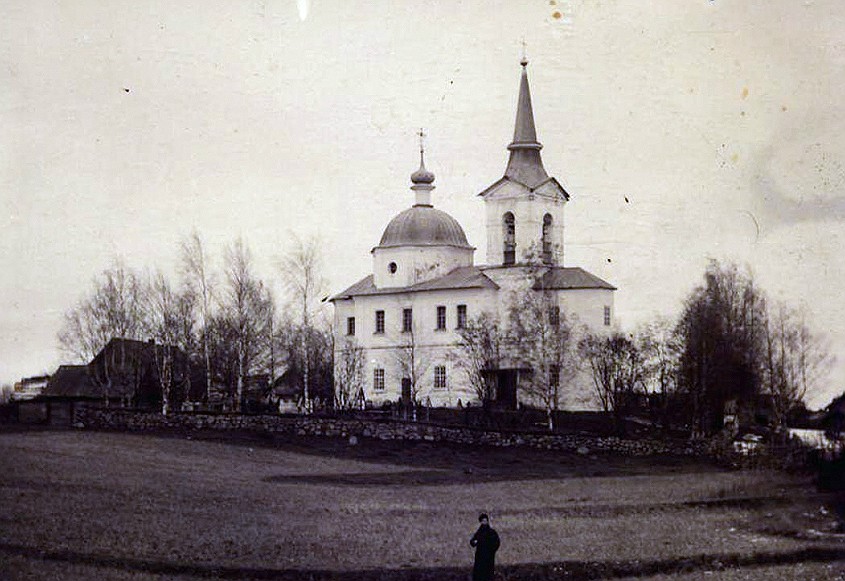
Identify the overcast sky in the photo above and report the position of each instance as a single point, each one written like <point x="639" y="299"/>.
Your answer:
<point x="124" y="125"/>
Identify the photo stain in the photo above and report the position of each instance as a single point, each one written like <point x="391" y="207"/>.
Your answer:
<point x="552" y="3"/>
<point x="125" y="90"/>
<point x="783" y="108"/>
<point x="557" y="15"/>
<point x="744" y="92"/>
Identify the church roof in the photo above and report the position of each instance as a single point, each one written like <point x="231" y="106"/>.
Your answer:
<point x="463" y="277"/>
<point x="525" y="172"/>
<point x="422" y="225"/>
<point x="563" y="278"/>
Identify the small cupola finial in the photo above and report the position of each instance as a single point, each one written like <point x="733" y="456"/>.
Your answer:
<point x="422" y="180"/>
<point x="422" y="175"/>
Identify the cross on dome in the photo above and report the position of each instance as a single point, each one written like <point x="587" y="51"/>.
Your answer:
<point x="422" y="176"/>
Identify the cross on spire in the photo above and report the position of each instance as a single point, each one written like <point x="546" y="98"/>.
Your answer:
<point x="421" y="134"/>
<point x="524" y="60"/>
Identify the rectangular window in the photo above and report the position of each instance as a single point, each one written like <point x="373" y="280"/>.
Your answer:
<point x="554" y="316"/>
<point x="607" y="316"/>
<point x="350" y="325"/>
<point x="379" y="321"/>
<point x="378" y="379"/>
<point x="439" y="377"/>
<point x="462" y="316"/>
<point x="407" y="320"/>
<point x="441" y="318"/>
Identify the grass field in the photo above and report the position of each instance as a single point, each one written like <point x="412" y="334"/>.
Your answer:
<point x="96" y="505"/>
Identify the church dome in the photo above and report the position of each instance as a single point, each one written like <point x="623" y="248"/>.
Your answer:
<point x="423" y="226"/>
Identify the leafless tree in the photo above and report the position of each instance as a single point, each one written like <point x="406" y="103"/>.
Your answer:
<point x="349" y="374"/>
<point x="118" y="370"/>
<point x="618" y="369"/>
<point x="413" y="360"/>
<point x="661" y="348"/>
<point x="544" y="338"/>
<point x="271" y="338"/>
<point x="318" y="358"/>
<point x="245" y="304"/>
<point x="301" y="273"/>
<point x="197" y="275"/>
<point x="479" y="353"/>
<point x="112" y="309"/>
<point x="170" y="323"/>
<point x="795" y="359"/>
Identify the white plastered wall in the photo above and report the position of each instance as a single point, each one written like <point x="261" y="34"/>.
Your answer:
<point x="528" y="214"/>
<point x="415" y="264"/>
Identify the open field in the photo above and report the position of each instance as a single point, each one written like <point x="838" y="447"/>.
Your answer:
<point x="96" y="505"/>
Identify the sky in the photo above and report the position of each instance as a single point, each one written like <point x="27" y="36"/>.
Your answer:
<point x="684" y="132"/>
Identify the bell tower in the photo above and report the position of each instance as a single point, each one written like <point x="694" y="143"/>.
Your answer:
<point x="524" y="209"/>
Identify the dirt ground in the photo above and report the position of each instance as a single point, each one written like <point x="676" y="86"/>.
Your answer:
<point x="98" y="505"/>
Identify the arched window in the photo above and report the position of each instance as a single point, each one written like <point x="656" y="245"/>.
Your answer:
<point x="547" y="238"/>
<point x="509" y="238"/>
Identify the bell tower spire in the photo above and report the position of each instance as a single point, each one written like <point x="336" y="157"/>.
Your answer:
<point x="525" y="164"/>
<point x="524" y="207"/>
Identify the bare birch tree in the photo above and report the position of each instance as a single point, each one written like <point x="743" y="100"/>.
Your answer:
<point x="618" y="368"/>
<point x="795" y="359"/>
<point x="246" y="304"/>
<point x="543" y="338"/>
<point x="196" y="273"/>
<point x="170" y="322"/>
<point x="479" y="353"/>
<point x="413" y="361"/>
<point x="112" y="309"/>
<point x="349" y="374"/>
<point x="301" y="273"/>
<point x="661" y="350"/>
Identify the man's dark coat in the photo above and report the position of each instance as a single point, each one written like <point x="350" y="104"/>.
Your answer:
<point x="486" y="543"/>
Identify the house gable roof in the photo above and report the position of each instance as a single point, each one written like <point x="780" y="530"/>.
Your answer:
<point x="72" y="381"/>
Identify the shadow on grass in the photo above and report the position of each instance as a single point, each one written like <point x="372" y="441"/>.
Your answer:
<point x="448" y="463"/>
<point x="574" y="570"/>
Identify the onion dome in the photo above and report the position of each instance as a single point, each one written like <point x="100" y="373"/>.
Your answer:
<point x="422" y="175"/>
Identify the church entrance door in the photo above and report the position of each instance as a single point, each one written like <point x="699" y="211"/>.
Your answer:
<point x="506" y="388"/>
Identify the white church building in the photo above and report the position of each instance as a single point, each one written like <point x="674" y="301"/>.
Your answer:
<point x="425" y="284"/>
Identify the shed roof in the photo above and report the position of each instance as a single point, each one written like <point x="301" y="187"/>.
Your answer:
<point x="570" y="277"/>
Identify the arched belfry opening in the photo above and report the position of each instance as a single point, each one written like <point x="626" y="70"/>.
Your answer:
<point x="547" y="239"/>
<point x="509" y="239"/>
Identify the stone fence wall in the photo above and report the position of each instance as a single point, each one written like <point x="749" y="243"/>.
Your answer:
<point x="98" y="418"/>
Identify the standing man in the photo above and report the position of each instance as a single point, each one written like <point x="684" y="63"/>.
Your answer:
<point x="486" y="543"/>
